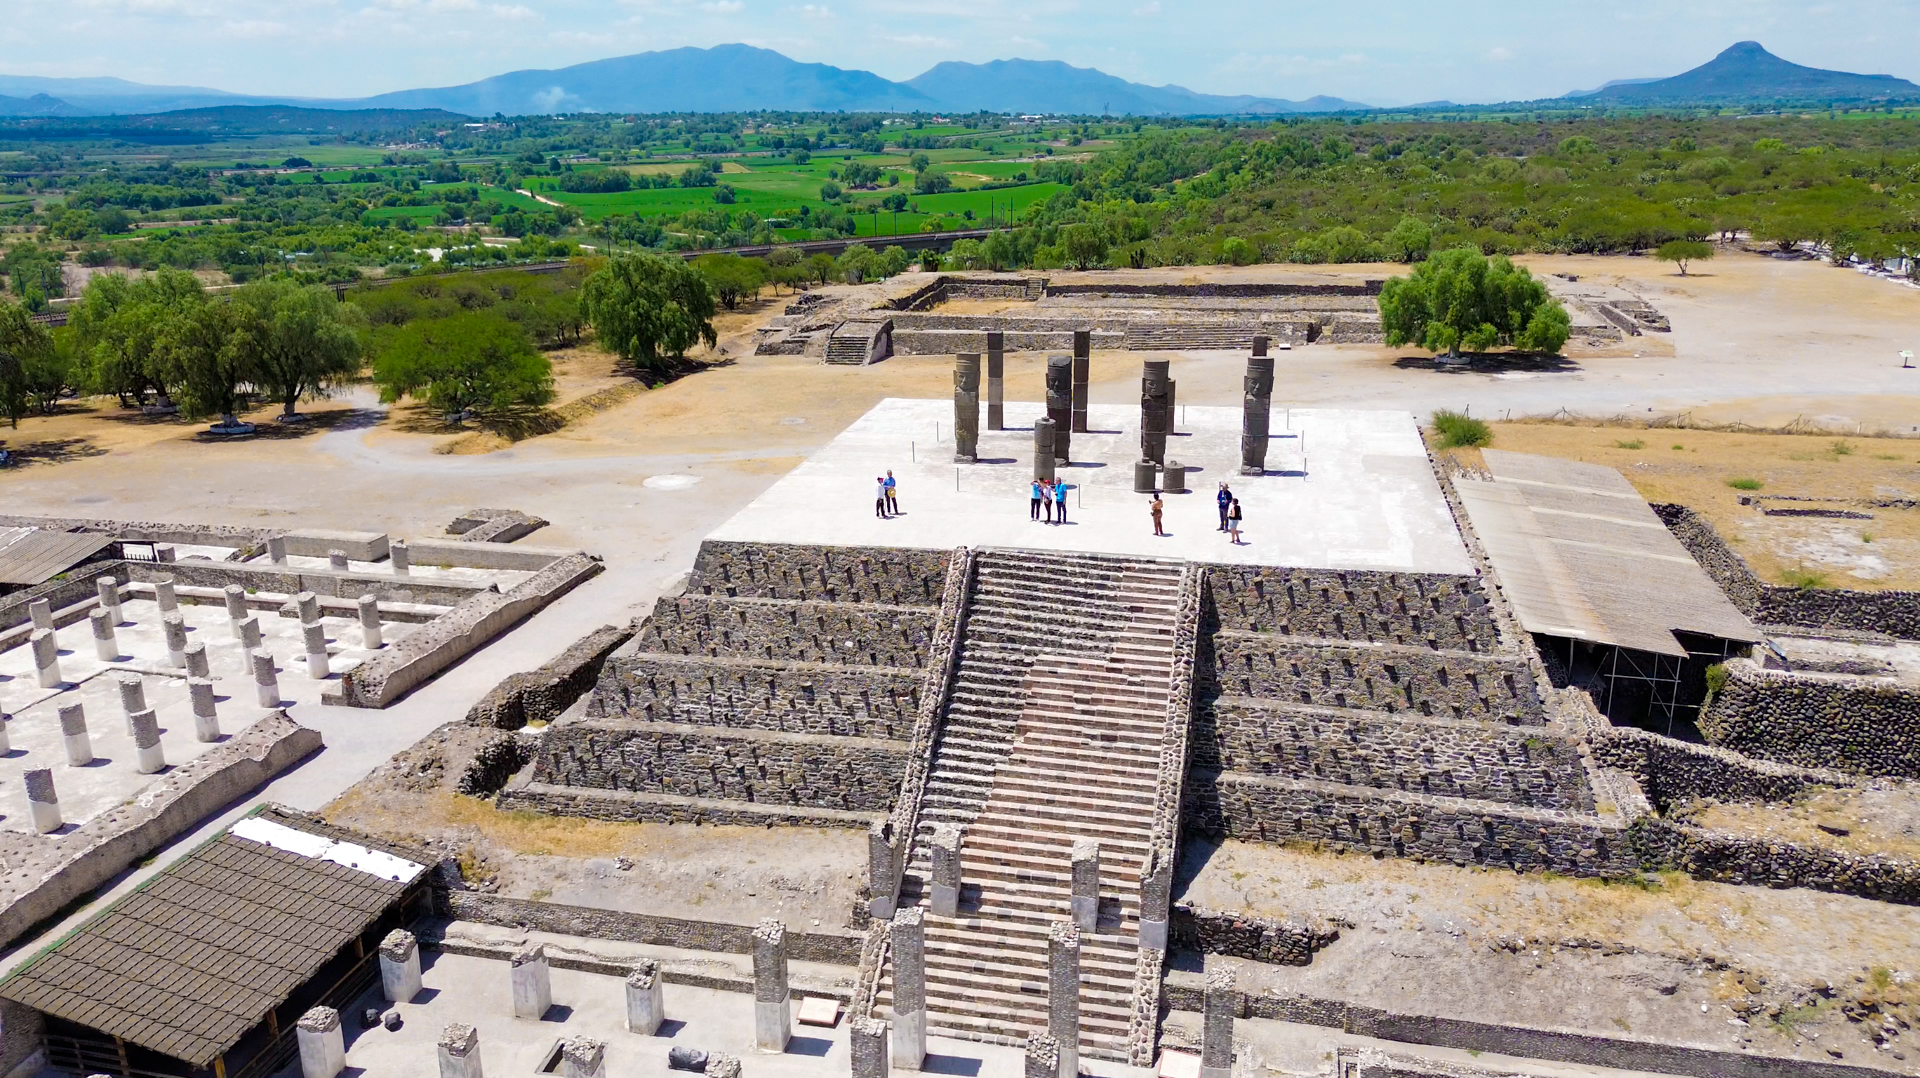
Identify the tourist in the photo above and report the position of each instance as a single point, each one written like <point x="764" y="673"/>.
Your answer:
<point x="880" y="497"/>
<point x="893" y="506"/>
<point x="1156" y="506"/>
<point x="1225" y="498"/>
<point x="1059" y="501"/>
<point x="1035" y="505"/>
<point x="1233" y="522"/>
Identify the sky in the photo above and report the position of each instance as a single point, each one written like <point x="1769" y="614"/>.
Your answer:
<point x="1385" y="52"/>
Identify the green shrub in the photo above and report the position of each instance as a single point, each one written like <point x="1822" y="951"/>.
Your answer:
<point x="1716" y="681"/>
<point x="1457" y="430"/>
<point x="1744" y="483"/>
<point x="1630" y="443"/>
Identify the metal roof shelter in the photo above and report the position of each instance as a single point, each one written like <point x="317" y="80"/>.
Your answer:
<point x="30" y="556"/>
<point x="205" y="969"/>
<point x="1582" y="557"/>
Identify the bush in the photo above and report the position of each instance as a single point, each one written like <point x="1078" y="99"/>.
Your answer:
<point x="476" y="362"/>
<point x="1459" y="431"/>
<point x="1745" y="484"/>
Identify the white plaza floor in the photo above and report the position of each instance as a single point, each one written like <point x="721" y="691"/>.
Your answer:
<point x="1344" y="489"/>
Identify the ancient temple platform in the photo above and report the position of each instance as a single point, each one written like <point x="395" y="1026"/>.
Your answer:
<point x="1344" y="489"/>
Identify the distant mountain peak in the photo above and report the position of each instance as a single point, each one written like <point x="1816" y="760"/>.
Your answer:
<point x="1747" y="72"/>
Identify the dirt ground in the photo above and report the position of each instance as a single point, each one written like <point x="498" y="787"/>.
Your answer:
<point x="805" y="876"/>
<point x="1880" y="817"/>
<point x="1663" y="957"/>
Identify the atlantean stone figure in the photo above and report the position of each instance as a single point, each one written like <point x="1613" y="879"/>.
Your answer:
<point x="996" y="380"/>
<point x="966" y="408"/>
<point x="1153" y="411"/>
<point x="1082" y="372"/>
<point x="1043" y="435"/>
<point x="1259" y="410"/>
<point x="1060" y="405"/>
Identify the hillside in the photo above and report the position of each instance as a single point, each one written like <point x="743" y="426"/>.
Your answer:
<point x="1748" y="73"/>
<point x="37" y="105"/>
<point x="1054" y="87"/>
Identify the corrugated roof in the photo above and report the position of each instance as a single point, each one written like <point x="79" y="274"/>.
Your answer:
<point x="1580" y="554"/>
<point x="30" y="556"/>
<point x="193" y="960"/>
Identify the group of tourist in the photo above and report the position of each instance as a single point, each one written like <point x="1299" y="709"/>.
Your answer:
<point x="1050" y="500"/>
<point x="1229" y="514"/>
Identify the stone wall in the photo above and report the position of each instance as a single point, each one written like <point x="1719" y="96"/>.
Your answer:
<point x="1422" y="826"/>
<point x="1382" y="677"/>
<point x="625" y="927"/>
<point x="851" y="774"/>
<point x="1672" y="771"/>
<point x="1862" y="725"/>
<point x="1481" y="761"/>
<point x="1437" y="610"/>
<point x="842" y="633"/>
<point x="541" y="695"/>
<point x="1742" y="859"/>
<point x="788" y="697"/>
<point x="1259" y="939"/>
<point x="323" y="582"/>
<point x="75" y="587"/>
<point x="883" y="575"/>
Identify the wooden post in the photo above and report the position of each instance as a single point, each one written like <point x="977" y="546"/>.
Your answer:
<point x="126" y="1069"/>
<point x="219" y="1067"/>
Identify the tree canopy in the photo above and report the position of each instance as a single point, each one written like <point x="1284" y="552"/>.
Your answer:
<point x="1681" y="252"/>
<point x="1463" y="299"/>
<point x="649" y="310"/>
<point x="297" y="341"/>
<point x="477" y="363"/>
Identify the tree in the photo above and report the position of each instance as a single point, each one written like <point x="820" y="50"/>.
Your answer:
<point x="210" y="350"/>
<point x="470" y="363"/>
<point x="300" y="340"/>
<point x="820" y="268"/>
<point x="1681" y="252"/>
<point x="1084" y="246"/>
<point x="830" y="192"/>
<point x="21" y="344"/>
<point x="1410" y="240"/>
<point x="49" y="371"/>
<point x="649" y="309"/>
<point x="1461" y="298"/>
<point x="732" y="277"/>
<point x="119" y="322"/>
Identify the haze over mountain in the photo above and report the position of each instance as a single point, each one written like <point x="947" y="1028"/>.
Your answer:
<point x="1748" y="73"/>
<point x="1052" y="86"/>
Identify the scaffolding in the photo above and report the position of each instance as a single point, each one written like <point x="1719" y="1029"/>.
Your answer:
<point x="1645" y="688"/>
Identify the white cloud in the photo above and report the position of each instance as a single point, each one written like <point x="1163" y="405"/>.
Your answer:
<point x="1354" y="58"/>
<point x="814" y="11"/>
<point x="1499" y="53"/>
<point x="724" y="7"/>
<point x="253" y="29"/>
<point x="1145" y="10"/>
<point x="921" y="41"/>
<point x="514" y="12"/>
<point x="1018" y="40"/>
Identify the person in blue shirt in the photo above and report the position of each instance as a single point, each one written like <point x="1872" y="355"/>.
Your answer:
<point x="1034" y="507"/>
<point x="1225" y="498"/>
<point x="893" y="506"/>
<point x="1059" y="501"/>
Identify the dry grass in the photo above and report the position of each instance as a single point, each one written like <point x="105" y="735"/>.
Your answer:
<point x="1868" y="554"/>
<point x="1884" y="819"/>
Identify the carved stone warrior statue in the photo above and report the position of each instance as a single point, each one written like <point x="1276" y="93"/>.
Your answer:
<point x="996" y="379"/>
<point x="1259" y="412"/>
<point x="966" y="407"/>
<point x="1153" y="411"/>
<point x="1043" y="435"/>
<point x="1060" y="404"/>
<point x="1082" y="373"/>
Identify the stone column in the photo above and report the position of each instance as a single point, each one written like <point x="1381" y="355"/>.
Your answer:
<point x="133" y="695"/>
<point x="1156" y="895"/>
<point x="909" y="939"/>
<point x="1043" y="435"/>
<point x="277" y="549"/>
<point x="945" y="898"/>
<point x="369" y="622"/>
<point x="196" y="654"/>
<point x="1216" y="1037"/>
<point x="772" y="995"/>
<point x="265" y="681"/>
<point x="1082" y="372"/>
<point x="323" y="1048"/>
<point x="996" y="380"/>
<point x="42" y="806"/>
<point x="646" y="1001"/>
<point x="308" y="605"/>
<point x="109" y="591"/>
<point x="337" y="560"/>
<point x="583" y="1057"/>
<point x="6" y="736"/>
<point x="250" y="633"/>
<point x="1153" y="411"/>
<point x="966" y="407"/>
<point x="1086" y="884"/>
<point x="40" y="612"/>
<point x="73" y="730"/>
<point x="1043" y="1056"/>
<point x="46" y="658"/>
<point x="460" y="1052"/>
<point x="400" y="966"/>
<point x="149" y="758"/>
<point x="164" y="596"/>
<point x="532" y="982"/>
<point x="882" y="889"/>
<point x="174" y="628"/>
<point x="867" y="1043"/>
<point x="1063" y="994"/>
<point x="1060" y="405"/>
<point x="236" y="607"/>
<point x="398" y="557"/>
<point x="1258" y="411"/>
<point x="315" y="636"/>
<point x="106" y="647"/>
<point x="1173" y="412"/>
<point x="206" y="720"/>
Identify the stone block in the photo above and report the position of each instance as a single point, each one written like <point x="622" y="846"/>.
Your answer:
<point x="73" y="731"/>
<point x="322" y="1044"/>
<point x="945" y="897"/>
<point x="867" y="1044"/>
<point x="1085" y="897"/>
<point x="532" y="982"/>
<point x="583" y="1057"/>
<point x="149" y="758"/>
<point x="400" y="966"/>
<point x="772" y="991"/>
<point x="459" y="1052"/>
<point x="646" y="1007"/>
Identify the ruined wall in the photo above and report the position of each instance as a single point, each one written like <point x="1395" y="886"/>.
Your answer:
<point x="789" y="697"/>
<point x="1730" y="858"/>
<point x="1672" y="771"/>
<point x="75" y="587"/>
<point x="840" y="633"/>
<point x="1260" y="809"/>
<point x="627" y="927"/>
<point x="1437" y="610"/>
<point x="1457" y="759"/>
<point x="1866" y="726"/>
<point x="1259" y="939"/>
<point x="1381" y="677"/>
<point x="855" y="774"/>
<point x="540" y="695"/>
<point x="833" y="574"/>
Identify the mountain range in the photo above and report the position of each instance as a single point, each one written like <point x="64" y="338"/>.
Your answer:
<point x="742" y="78"/>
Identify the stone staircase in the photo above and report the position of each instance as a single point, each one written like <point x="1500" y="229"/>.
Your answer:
<point x="1053" y="732"/>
